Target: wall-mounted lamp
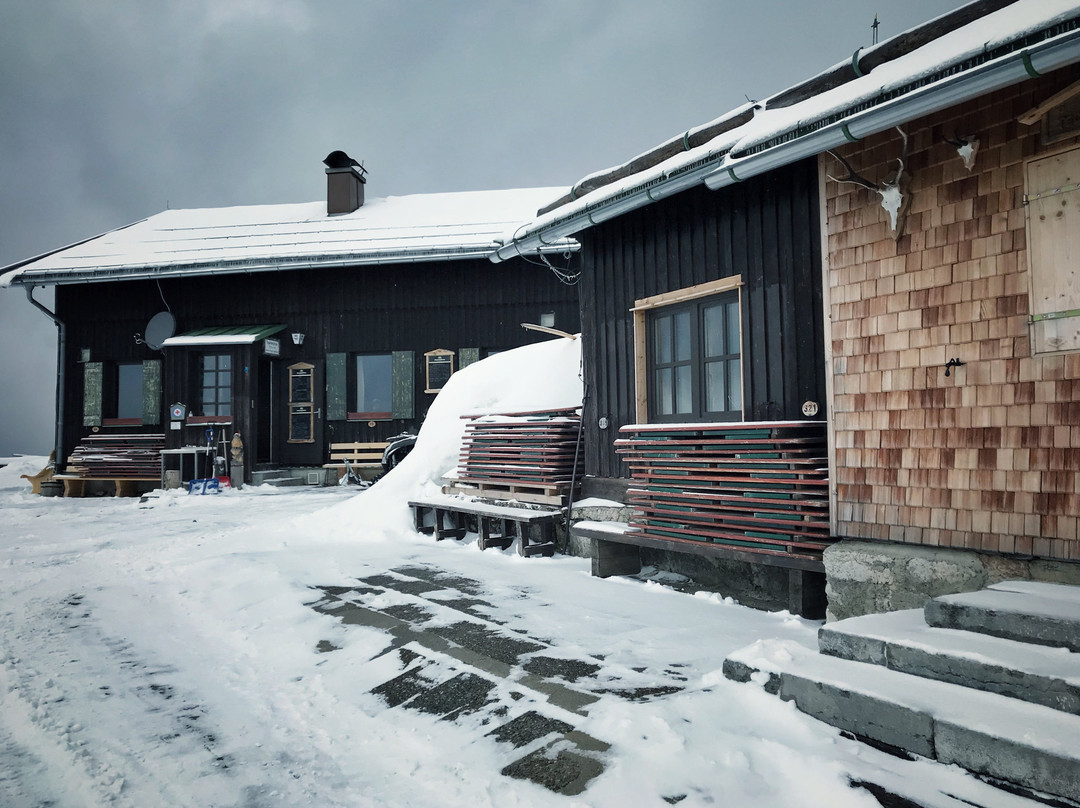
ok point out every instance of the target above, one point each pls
(952, 363)
(297, 338)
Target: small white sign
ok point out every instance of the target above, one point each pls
(272, 347)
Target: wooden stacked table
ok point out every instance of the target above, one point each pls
(524, 456)
(126, 460)
(753, 487)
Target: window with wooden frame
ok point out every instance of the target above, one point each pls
(688, 354)
(438, 368)
(1053, 218)
(301, 403)
(122, 393)
(215, 374)
(374, 392)
(370, 386)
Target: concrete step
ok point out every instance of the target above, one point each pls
(1000, 738)
(903, 641)
(279, 482)
(1027, 611)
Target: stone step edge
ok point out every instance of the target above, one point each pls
(1042, 616)
(985, 733)
(903, 641)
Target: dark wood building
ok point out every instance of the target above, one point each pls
(738, 269)
(296, 326)
(736, 297)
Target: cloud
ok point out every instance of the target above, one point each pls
(110, 112)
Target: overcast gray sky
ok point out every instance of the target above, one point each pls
(113, 110)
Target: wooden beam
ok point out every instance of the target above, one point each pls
(1035, 114)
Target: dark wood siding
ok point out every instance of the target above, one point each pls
(768, 231)
(379, 309)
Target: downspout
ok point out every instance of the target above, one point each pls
(61, 350)
(577, 456)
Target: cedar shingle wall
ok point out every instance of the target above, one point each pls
(987, 458)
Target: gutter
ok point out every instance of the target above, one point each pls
(59, 277)
(950, 91)
(722, 167)
(61, 350)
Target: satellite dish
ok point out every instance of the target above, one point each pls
(161, 326)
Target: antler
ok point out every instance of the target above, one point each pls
(901, 160)
(894, 200)
(853, 177)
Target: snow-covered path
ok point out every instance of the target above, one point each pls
(166, 654)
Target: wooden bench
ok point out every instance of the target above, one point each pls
(497, 525)
(756, 492)
(616, 550)
(346, 456)
(75, 484)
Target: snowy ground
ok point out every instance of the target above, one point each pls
(161, 654)
(256, 648)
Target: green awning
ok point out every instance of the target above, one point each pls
(233, 335)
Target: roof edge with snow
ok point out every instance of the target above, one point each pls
(994, 45)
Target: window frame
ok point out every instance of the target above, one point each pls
(101, 393)
(136, 385)
(695, 296)
(354, 384)
(301, 404)
(201, 371)
(437, 357)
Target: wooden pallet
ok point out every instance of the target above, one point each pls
(511, 489)
(519, 456)
(760, 487)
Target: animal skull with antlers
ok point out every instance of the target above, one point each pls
(967, 147)
(895, 198)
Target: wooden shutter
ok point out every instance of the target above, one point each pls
(151, 391)
(466, 356)
(1053, 196)
(93, 373)
(404, 385)
(337, 392)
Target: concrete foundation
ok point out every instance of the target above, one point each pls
(870, 577)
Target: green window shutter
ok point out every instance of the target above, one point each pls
(466, 356)
(337, 392)
(92, 381)
(151, 391)
(404, 385)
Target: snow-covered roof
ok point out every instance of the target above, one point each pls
(397, 229)
(1024, 39)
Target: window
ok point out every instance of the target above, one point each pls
(369, 386)
(374, 386)
(440, 367)
(688, 354)
(301, 403)
(122, 393)
(695, 368)
(216, 374)
(1054, 238)
(129, 390)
